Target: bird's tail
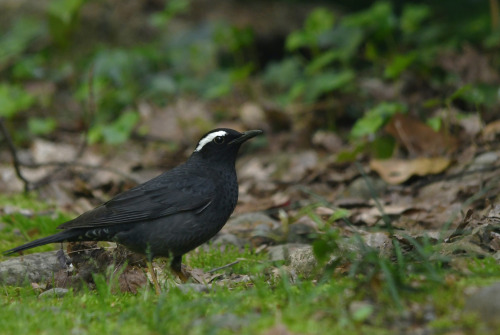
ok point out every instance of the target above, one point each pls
(59, 237)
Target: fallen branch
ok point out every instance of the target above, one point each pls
(223, 267)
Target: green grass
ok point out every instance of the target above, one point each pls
(19, 227)
(307, 306)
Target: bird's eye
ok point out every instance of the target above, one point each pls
(219, 139)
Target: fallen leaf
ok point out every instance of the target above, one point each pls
(300, 165)
(418, 138)
(45, 151)
(471, 124)
(252, 115)
(397, 171)
(328, 140)
(373, 215)
(132, 279)
(491, 130)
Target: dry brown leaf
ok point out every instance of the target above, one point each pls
(45, 151)
(471, 124)
(397, 171)
(252, 115)
(491, 130)
(328, 140)
(469, 65)
(418, 138)
(373, 215)
(132, 279)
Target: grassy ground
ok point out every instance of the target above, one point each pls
(265, 304)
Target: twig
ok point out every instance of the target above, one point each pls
(82, 165)
(461, 227)
(13, 153)
(223, 267)
(375, 197)
(436, 178)
(89, 112)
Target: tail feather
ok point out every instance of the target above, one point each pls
(59, 237)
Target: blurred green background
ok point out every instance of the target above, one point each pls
(340, 66)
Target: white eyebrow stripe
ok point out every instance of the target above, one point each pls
(209, 138)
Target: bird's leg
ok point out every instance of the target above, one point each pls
(176, 266)
(153, 276)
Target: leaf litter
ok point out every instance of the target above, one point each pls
(424, 192)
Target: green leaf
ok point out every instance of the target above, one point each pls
(298, 39)
(434, 123)
(375, 118)
(363, 313)
(371, 52)
(475, 96)
(16, 40)
(325, 83)
(413, 17)
(116, 132)
(64, 10)
(29, 67)
(296, 91)
(339, 213)
(321, 249)
(322, 61)
(318, 22)
(95, 133)
(367, 125)
(350, 155)
(398, 64)
(217, 84)
(172, 8)
(383, 147)
(459, 93)
(39, 126)
(378, 19)
(13, 99)
(284, 74)
(326, 245)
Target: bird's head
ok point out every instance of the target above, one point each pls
(222, 144)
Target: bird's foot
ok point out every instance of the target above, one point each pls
(182, 274)
(153, 278)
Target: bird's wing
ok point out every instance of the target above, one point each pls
(172, 192)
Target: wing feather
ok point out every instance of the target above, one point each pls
(175, 191)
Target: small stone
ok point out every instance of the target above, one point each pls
(486, 159)
(380, 241)
(360, 188)
(282, 252)
(302, 260)
(55, 292)
(328, 140)
(299, 257)
(361, 310)
(301, 233)
(228, 239)
(189, 287)
(32, 268)
(252, 115)
(244, 226)
(486, 303)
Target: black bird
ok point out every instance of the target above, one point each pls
(172, 213)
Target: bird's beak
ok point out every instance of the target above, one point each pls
(246, 136)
